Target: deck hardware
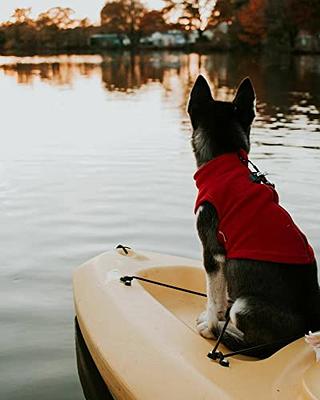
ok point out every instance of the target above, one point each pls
(124, 248)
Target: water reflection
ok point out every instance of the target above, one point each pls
(56, 72)
(287, 89)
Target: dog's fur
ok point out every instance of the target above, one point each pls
(270, 301)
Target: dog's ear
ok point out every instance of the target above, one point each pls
(200, 93)
(245, 101)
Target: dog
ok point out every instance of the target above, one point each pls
(258, 263)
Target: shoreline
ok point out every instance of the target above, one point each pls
(142, 49)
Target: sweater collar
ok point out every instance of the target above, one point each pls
(220, 165)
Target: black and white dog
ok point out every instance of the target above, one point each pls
(256, 259)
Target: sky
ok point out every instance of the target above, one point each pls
(83, 8)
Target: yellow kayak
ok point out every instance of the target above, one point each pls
(144, 342)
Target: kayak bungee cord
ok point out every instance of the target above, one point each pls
(128, 279)
(214, 354)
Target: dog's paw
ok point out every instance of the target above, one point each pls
(205, 326)
(221, 315)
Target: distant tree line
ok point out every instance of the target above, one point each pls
(250, 23)
(52, 30)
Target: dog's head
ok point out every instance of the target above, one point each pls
(220, 127)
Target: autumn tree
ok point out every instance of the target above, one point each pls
(22, 16)
(2, 38)
(60, 17)
(286, 18)
(304, 14)
(52, 30)
(114, 18)
(225, 11)
(153, 21)
(84, 23)
(252, 21)
(123, 16)
(20, 30)
(280, 34)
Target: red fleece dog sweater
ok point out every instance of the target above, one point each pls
(252, 224)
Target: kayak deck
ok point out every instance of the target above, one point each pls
(185, 306)
(144, 341)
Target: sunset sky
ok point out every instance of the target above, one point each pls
(83, 8)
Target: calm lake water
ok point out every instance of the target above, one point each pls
(95, 151)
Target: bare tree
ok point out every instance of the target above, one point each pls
(192, 14)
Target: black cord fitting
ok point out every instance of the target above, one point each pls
(218, 356)
(126, 280)
(224, 363)
(215, 355)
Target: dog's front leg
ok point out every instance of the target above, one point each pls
(213, 260)
(216, 299)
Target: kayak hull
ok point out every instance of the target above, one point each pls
(144, 342)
